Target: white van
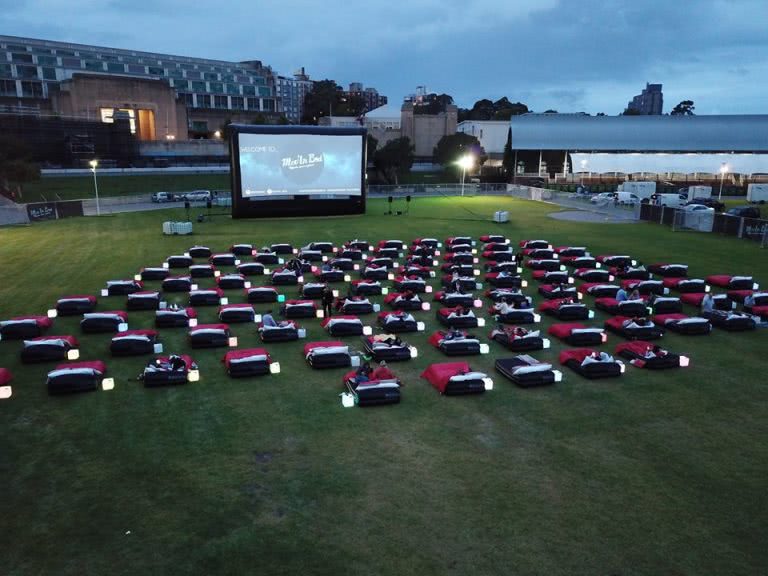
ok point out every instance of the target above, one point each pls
(640, 189)
(757, 193)
(627, 199)
(670, 200)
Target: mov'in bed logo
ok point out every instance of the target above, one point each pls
(303, 168)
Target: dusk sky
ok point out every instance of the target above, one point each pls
(590, 55)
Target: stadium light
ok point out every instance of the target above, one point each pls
(723, 172)
(94, 164)
(466, 162)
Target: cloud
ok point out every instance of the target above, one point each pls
(590, 55)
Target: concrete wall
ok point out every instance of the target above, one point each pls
(171, 149)
(85, 94)
(426, 130)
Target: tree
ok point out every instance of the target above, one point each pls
(326, 98)
(550, 111)
(508, 161)
(685, 108)
(16, 165)
(394, 158)
(432, 104)
(370, 147)
(453, 146)
(484, 109)
(631, 112)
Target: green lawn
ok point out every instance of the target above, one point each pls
(78, 187)
(653, 473)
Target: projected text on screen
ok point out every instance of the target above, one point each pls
(319, 166)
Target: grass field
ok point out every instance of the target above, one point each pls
(79, 187)
(652, 473)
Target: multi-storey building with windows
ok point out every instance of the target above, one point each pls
(96, 82)
(291, 93)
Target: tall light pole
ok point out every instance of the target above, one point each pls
(466, 162)
(723, 171)
(583, 168)
(94, 164)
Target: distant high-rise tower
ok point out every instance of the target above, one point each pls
(649, 102)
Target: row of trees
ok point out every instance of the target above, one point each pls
(16, 166)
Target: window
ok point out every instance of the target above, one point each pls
(237, 102)
(95, 66)
(49, 73)
(71, 62)
(155, 71)
(199, 87)
(175, 73)
(16, 47)
(203, 101)
(227, 78)
(187, 98)
(253, 104)
(22, 58)
(260, 80)
(26, 71)
(194, 74)
(8, 88)
(61, 52)
(5, 70)
(48, 60)
(233, 89)
(269, 104)
(108, 57)
(220, 102)
(265, 91)
(136, 69)
(31, 90)
(211, 76)
(249, 91)
(216, 87)
(200, 126)
(116, 67)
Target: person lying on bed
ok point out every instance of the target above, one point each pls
(597, 357)
(463, 311)
(559, 288)
(173, 363)
(503, 307)
(454, 334)
(504, 273)
(388, 339)
(363, 373)
(408, 295)
(637, 322)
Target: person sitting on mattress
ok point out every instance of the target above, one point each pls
(503, 307)
(463, 311)
(634, 295)
(363, 373)
(597, 357)
(293, 264)
(707, 303)
(519, 332)
(504, 273)
(408, 295)
(268, 320)
(749, 301)
(174, 307)
(621, 295)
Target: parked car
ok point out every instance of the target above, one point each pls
(690, 207)
(744, 211)
(164, 197)
(197, 195)
(711, 202)
(603, 197)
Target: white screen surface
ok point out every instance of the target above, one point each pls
(315, 165)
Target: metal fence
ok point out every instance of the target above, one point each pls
(753, 229)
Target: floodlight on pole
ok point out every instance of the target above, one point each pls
(723, 172)
(95, 164)
(466, 162)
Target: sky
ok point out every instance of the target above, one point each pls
(567, 55)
